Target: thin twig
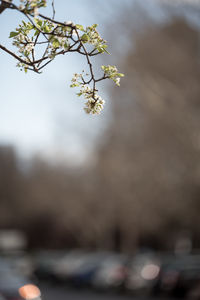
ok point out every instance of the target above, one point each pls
(15, 56)
(53, 8)
(89, 63)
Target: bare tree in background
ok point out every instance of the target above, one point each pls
(151, 162)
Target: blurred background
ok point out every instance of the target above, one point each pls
(107, 205)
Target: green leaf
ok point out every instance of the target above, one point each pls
(30, 26)
(46, 28)
(80, 27)
(74, 85)
(13, 33)
(101, 48)
(120, 74)
(66, 45)
(56, 44)
(26, 53)
(85, 38)
(36, 32)
(107, 52)
(38, 22)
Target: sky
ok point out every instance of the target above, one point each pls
(41, 114)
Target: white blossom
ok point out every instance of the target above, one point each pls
(21, 7)
(94, 106)
(117, 81)
(112, 73)
(36, 12)
(70, 23)
(29, 47)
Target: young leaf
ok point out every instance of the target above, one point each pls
(85, 38)
(13, 33)
(80, 27)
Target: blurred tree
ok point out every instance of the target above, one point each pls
(151, 161)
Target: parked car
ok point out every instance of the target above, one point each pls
(10, 281)
(66, 267)
(45, 263)
(179, 274)
(143, 273)
(83, 275)
(19, 261)
(111, 272)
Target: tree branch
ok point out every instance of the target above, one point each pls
(58, 38)
(5, 4)
(14, 55)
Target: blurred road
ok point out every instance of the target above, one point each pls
(60, 293)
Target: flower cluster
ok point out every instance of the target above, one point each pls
(92, 36)
(26, 36)
(21, 39)
(29, 47)
(23, 66)
(76, 81)
(32, 5)
(56, 43)
(58, 36)
(95, 103)
(112, 73)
